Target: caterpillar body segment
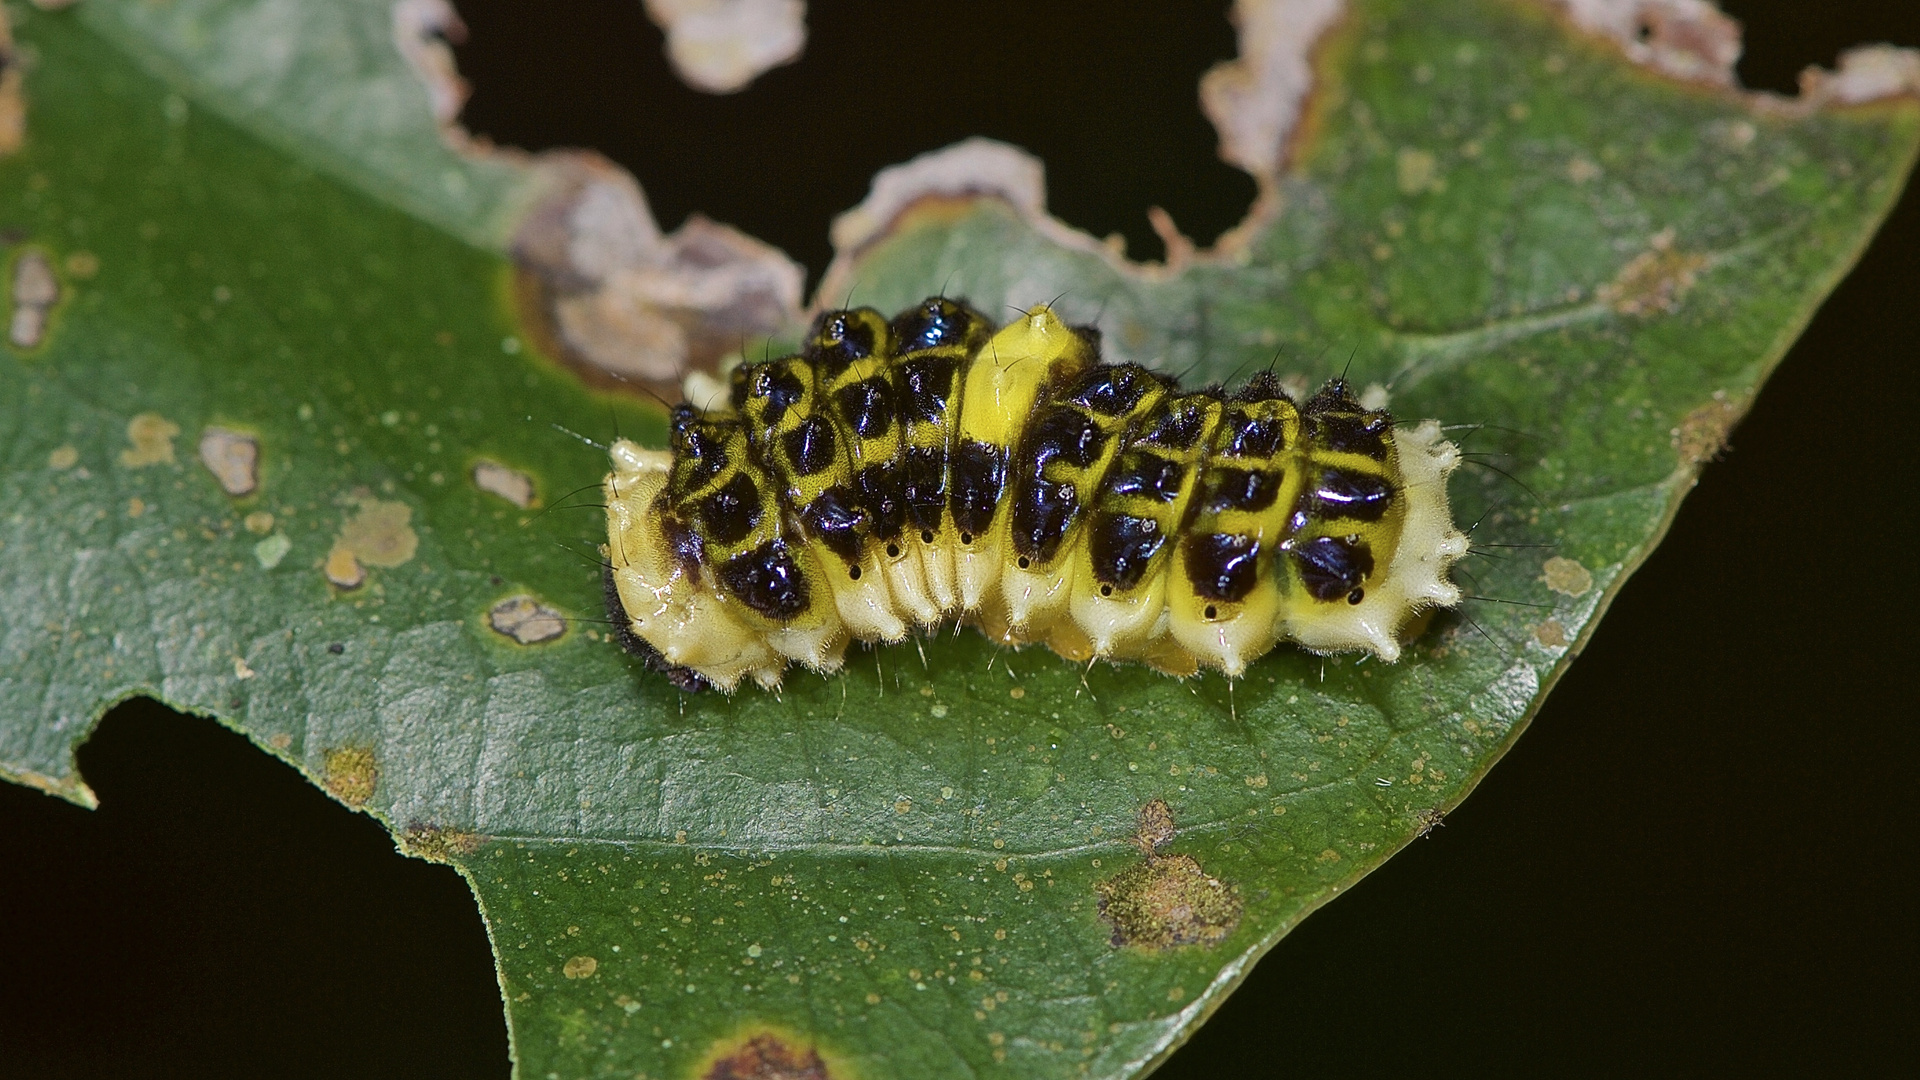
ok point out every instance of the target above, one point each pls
(897, 474)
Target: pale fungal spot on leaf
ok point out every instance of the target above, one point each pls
(63, 458)
(82, 265)
(526, 620)
(1566, 576)
(270, 551)
(1415, 171)
(378, 534)
(721, 46)
(1654, 281)
(241, 670)
(1550, 634)
(151, 437)
(1580, 170)
(233, 458)
(510, 484)
(341, 569)
(259, 523)
(580, 967)
(35, 291)
(352, 773)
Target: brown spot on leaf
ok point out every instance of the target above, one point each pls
(1550, 634)
(352, 773)
(1702, 434)
(151, 436)
(34, 292)
(1155, 827)
(580, 967)
(1654, 281)
(233, 458)
(526, 620)
(1166, 900)
(510, 484)
(63, 457)
(1566, 576)
(766, 1055)
(438, 843)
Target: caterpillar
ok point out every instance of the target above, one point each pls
(898, 474)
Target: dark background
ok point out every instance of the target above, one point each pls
(1698, 862)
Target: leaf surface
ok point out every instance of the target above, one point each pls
(905, 868)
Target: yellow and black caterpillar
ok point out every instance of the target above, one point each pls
(898, 474)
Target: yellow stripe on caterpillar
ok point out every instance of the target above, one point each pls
(900, 474)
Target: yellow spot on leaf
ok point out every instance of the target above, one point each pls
(151, 436)
(352, 773)
(580, 967)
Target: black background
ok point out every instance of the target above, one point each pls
(1697, 862)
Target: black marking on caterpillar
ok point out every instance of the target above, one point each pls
(902, 473)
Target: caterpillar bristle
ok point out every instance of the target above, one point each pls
(896, 474)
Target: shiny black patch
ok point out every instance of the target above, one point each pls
(688, 549)
(810, 447)
(838, 339)
(1253, 436)
(1340, 493)
(1332, 566)
(926, 382)
(1148, 475)
(1223, 566)
(1064, 434)
(775, 384)
(683, 677)
(883, 497)
(1111, 389)
(868, 406)
(1365, 434)
(1177, 428)
(923, 484)
(1043, 511)
(936, 322)
(1251, 490)
(977, 473)
(699, 445)
(767, 580)
(834, 519)
(1122, 546)
(730, 513)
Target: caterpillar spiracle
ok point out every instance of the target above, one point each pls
(901, 474)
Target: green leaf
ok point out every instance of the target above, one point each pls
(905, 867)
